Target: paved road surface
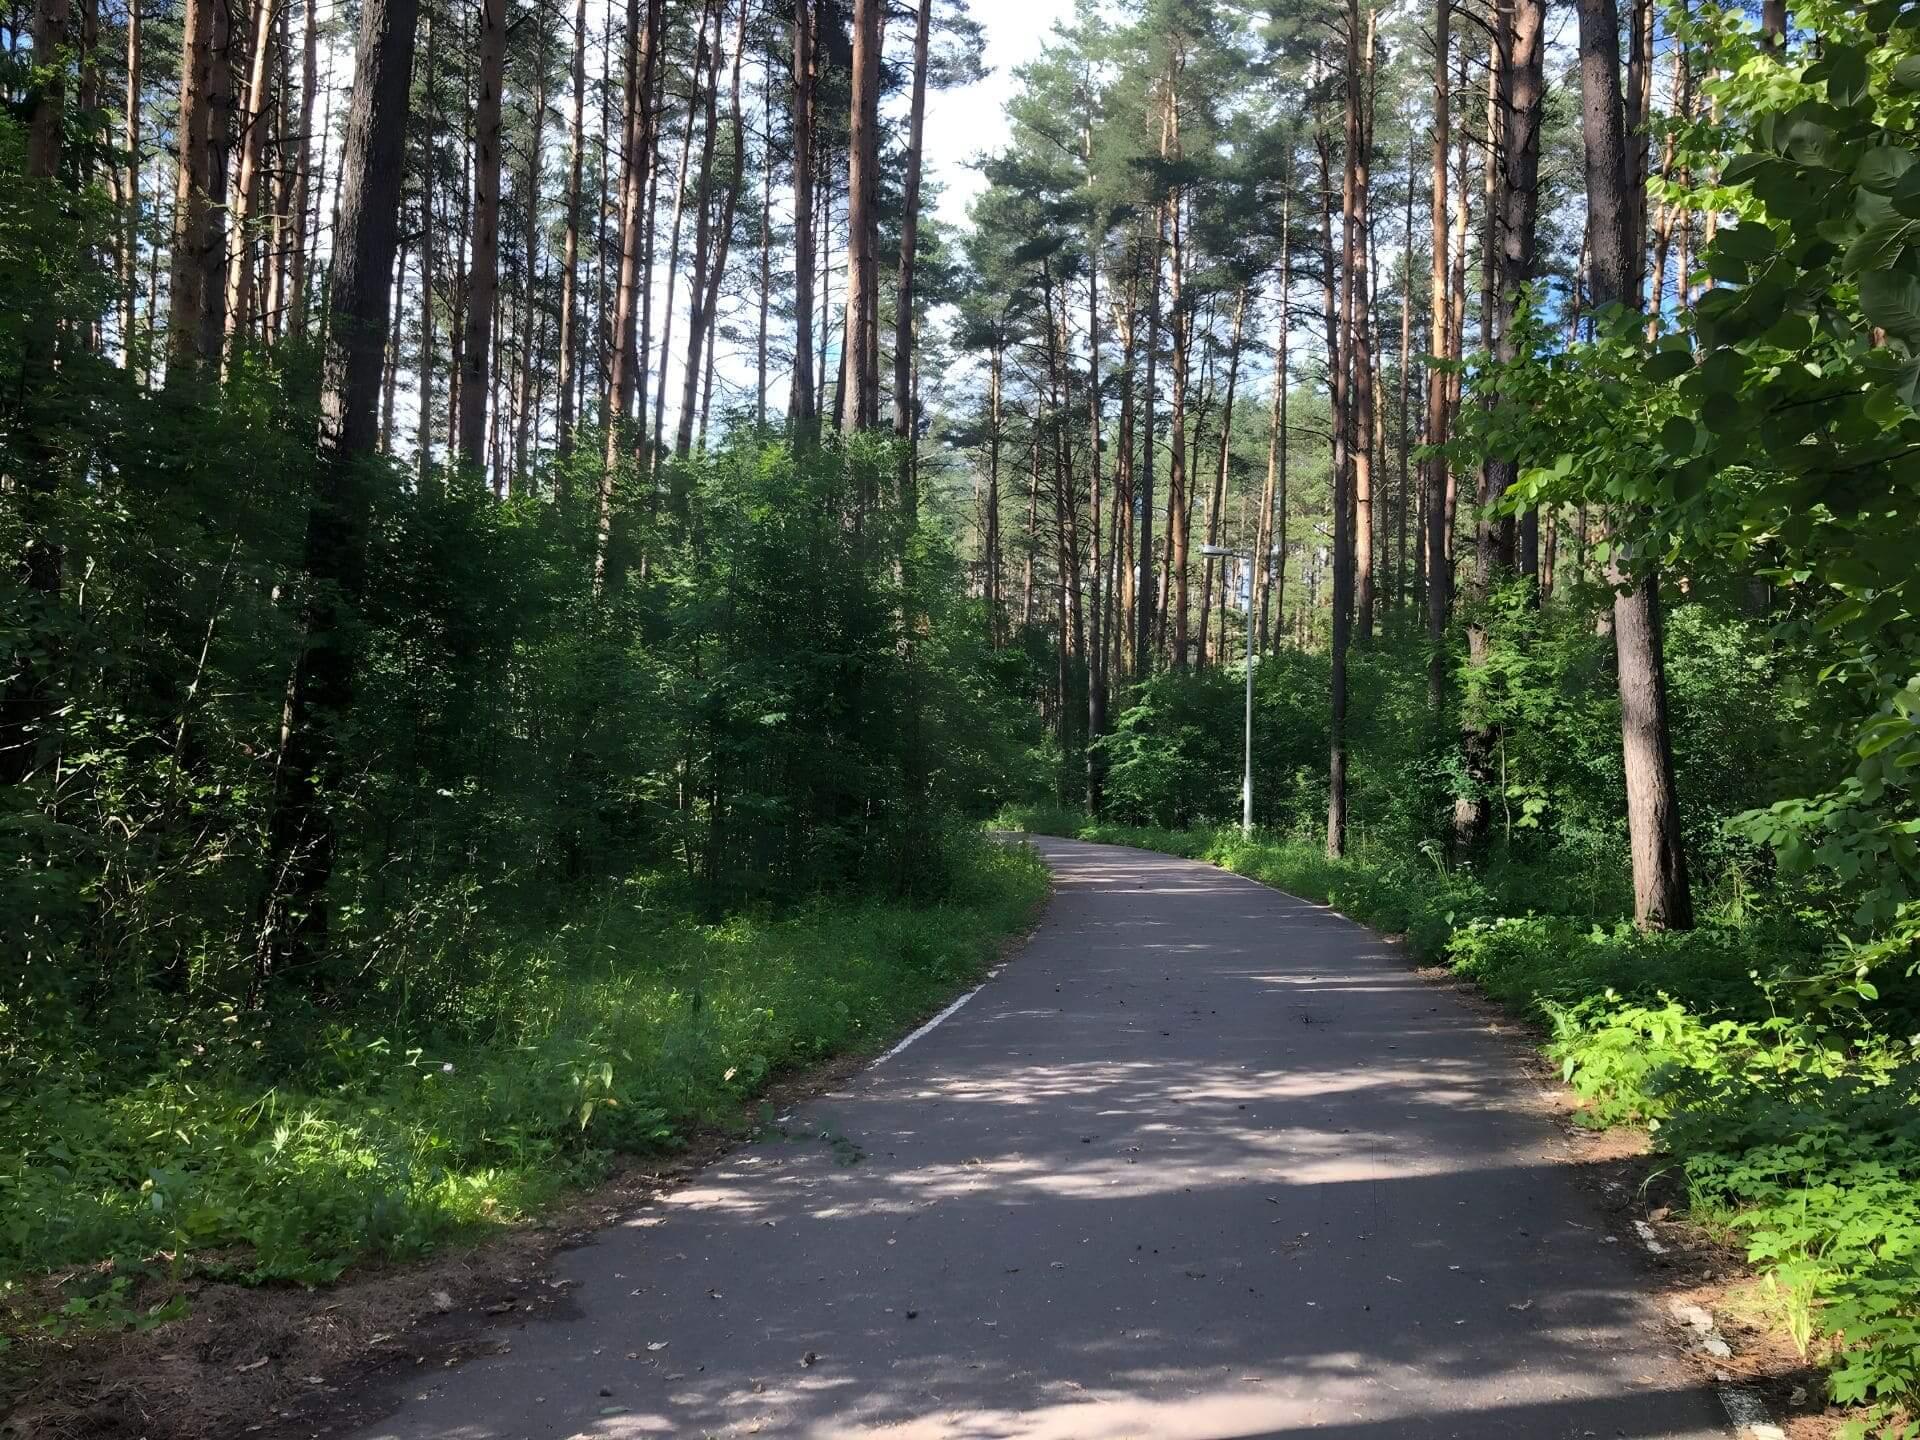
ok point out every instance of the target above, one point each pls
(1203, 1161)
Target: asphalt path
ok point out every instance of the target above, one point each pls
(1203, 1160)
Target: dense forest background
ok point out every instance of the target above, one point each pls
(531, 554)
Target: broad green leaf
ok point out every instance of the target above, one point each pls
(1891, 300)
(1880, 244)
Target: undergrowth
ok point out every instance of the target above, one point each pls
(1793, 1117)
(621, 1032)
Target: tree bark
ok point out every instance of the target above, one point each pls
(1360, 142)
(246, 187)
(800, 403)
(905, 421)
(301, 839)
(483, 270)
(567, 381)
(195, 325)
(524, 432)
(1661, 896)
(625, 364)
(860, 404)
(1216, 504)
(710, 269)
(27, 702)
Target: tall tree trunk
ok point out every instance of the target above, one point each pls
(246, 187)
(1270, 554)
(905, 422)
(1523, 95)
(710, 270)
(990, 544)
(1179, 529)
(625, 362)
(524, 408)
(301, 839)
(765, 238)
(1144, 604)
(700, 63)
(195, 326)
(567, 381)
(423, 433)
(483, 271)
(860, 404)
(130, 198)
(1216, 503)
(1344, 426)
(27, 702)
(1360, 139)
(1406, 504)
(303, 164)
(1661, 897)
(800, 403)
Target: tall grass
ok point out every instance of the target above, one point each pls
(621, 1032)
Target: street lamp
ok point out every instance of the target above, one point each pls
(1226, 552)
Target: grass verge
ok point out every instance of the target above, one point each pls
(1797, 1128)
(621, 1032)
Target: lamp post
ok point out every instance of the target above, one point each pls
(1246, 771)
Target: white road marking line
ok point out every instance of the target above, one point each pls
(934, 1023)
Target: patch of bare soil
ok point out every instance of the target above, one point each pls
(280, 1362)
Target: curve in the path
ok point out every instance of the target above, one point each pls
(1204, 1161)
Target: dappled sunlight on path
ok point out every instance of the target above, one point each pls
(1205, 1161)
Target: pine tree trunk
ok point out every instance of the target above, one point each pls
(301, 839)
(1360, 139)
(1661, 897)
(800, 404)
(483, 271)
(303, 163)
(568, 379)
(130, 198)
(524, 408)
(710, 269)
(1270, 554)
(27, 704)
(247, 183)
(195, 324)
(1216, 503)
(625, 364)
(905, 422)
(700, 45)
(860, 398)
(1144, 602)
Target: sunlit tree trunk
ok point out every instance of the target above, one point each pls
(625, 362)
(247, 183)
(196, 323)
(1216, 503)
(1270, 554)
(1661, 896)
(1359, 170)
(710, 269)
